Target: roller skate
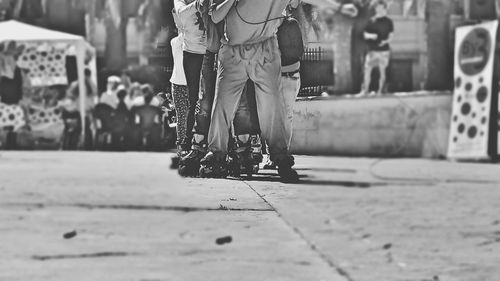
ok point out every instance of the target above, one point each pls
(256, 154)
(271, 165)
(285, 170)
(189, 165)
(182, 150)
(212, 166)
(240, 159)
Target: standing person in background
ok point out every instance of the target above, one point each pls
(134, 91)
(194, 47)
(145, 90)
(109, 97)
(180, 96)
(378, 35)
(91, 86)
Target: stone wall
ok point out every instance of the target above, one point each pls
(405, 125)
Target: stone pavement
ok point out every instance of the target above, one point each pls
(126, 216)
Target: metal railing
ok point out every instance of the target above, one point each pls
(316, 71)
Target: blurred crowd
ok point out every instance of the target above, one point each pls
(126, 116)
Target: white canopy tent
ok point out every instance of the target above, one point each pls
(24, 33)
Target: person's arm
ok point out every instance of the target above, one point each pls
(349, 10)
(368, 32)
(386, 41)
(334, 4)
(180, 7)
(221, 10)
(370, 36)
(345, 9)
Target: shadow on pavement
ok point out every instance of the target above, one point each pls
(329, 170)
(306, 180)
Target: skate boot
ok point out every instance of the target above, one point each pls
(285, 170)
(233, 166)
(189, 165)
(256, 152)
(213, 167)
(240, 158)
(182, 150)
(270, 165)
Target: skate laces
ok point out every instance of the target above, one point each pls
(256, 144)
(241, 146)
(202, 146)
(211, 158)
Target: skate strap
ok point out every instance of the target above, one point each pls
(199, 147)
(241, 149)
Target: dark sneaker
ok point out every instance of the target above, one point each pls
(286, 172)
(189, 165)
(213, 167)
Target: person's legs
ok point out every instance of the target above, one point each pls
(383, 62)
(192, 69)
(265, 71)
(231, 80)
(180, 97)
(290, 87)
(248, 148)
(367, 73)
(204, 106)
(190, 164)
(246, 120)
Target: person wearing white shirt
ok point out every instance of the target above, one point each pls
(194, 45)
(180, 95)
(109, 97)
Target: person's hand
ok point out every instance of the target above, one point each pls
(349, 10)
(203, 6)
(214, 4)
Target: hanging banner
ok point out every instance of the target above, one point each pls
(470, 134)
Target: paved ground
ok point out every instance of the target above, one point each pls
(126, 216)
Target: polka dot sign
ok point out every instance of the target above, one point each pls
(44, 116)
(45, 64)
(11, 116)
(474, 60)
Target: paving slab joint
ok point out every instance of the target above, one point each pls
(339, 269)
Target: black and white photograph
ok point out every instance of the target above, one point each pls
(249, 140)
